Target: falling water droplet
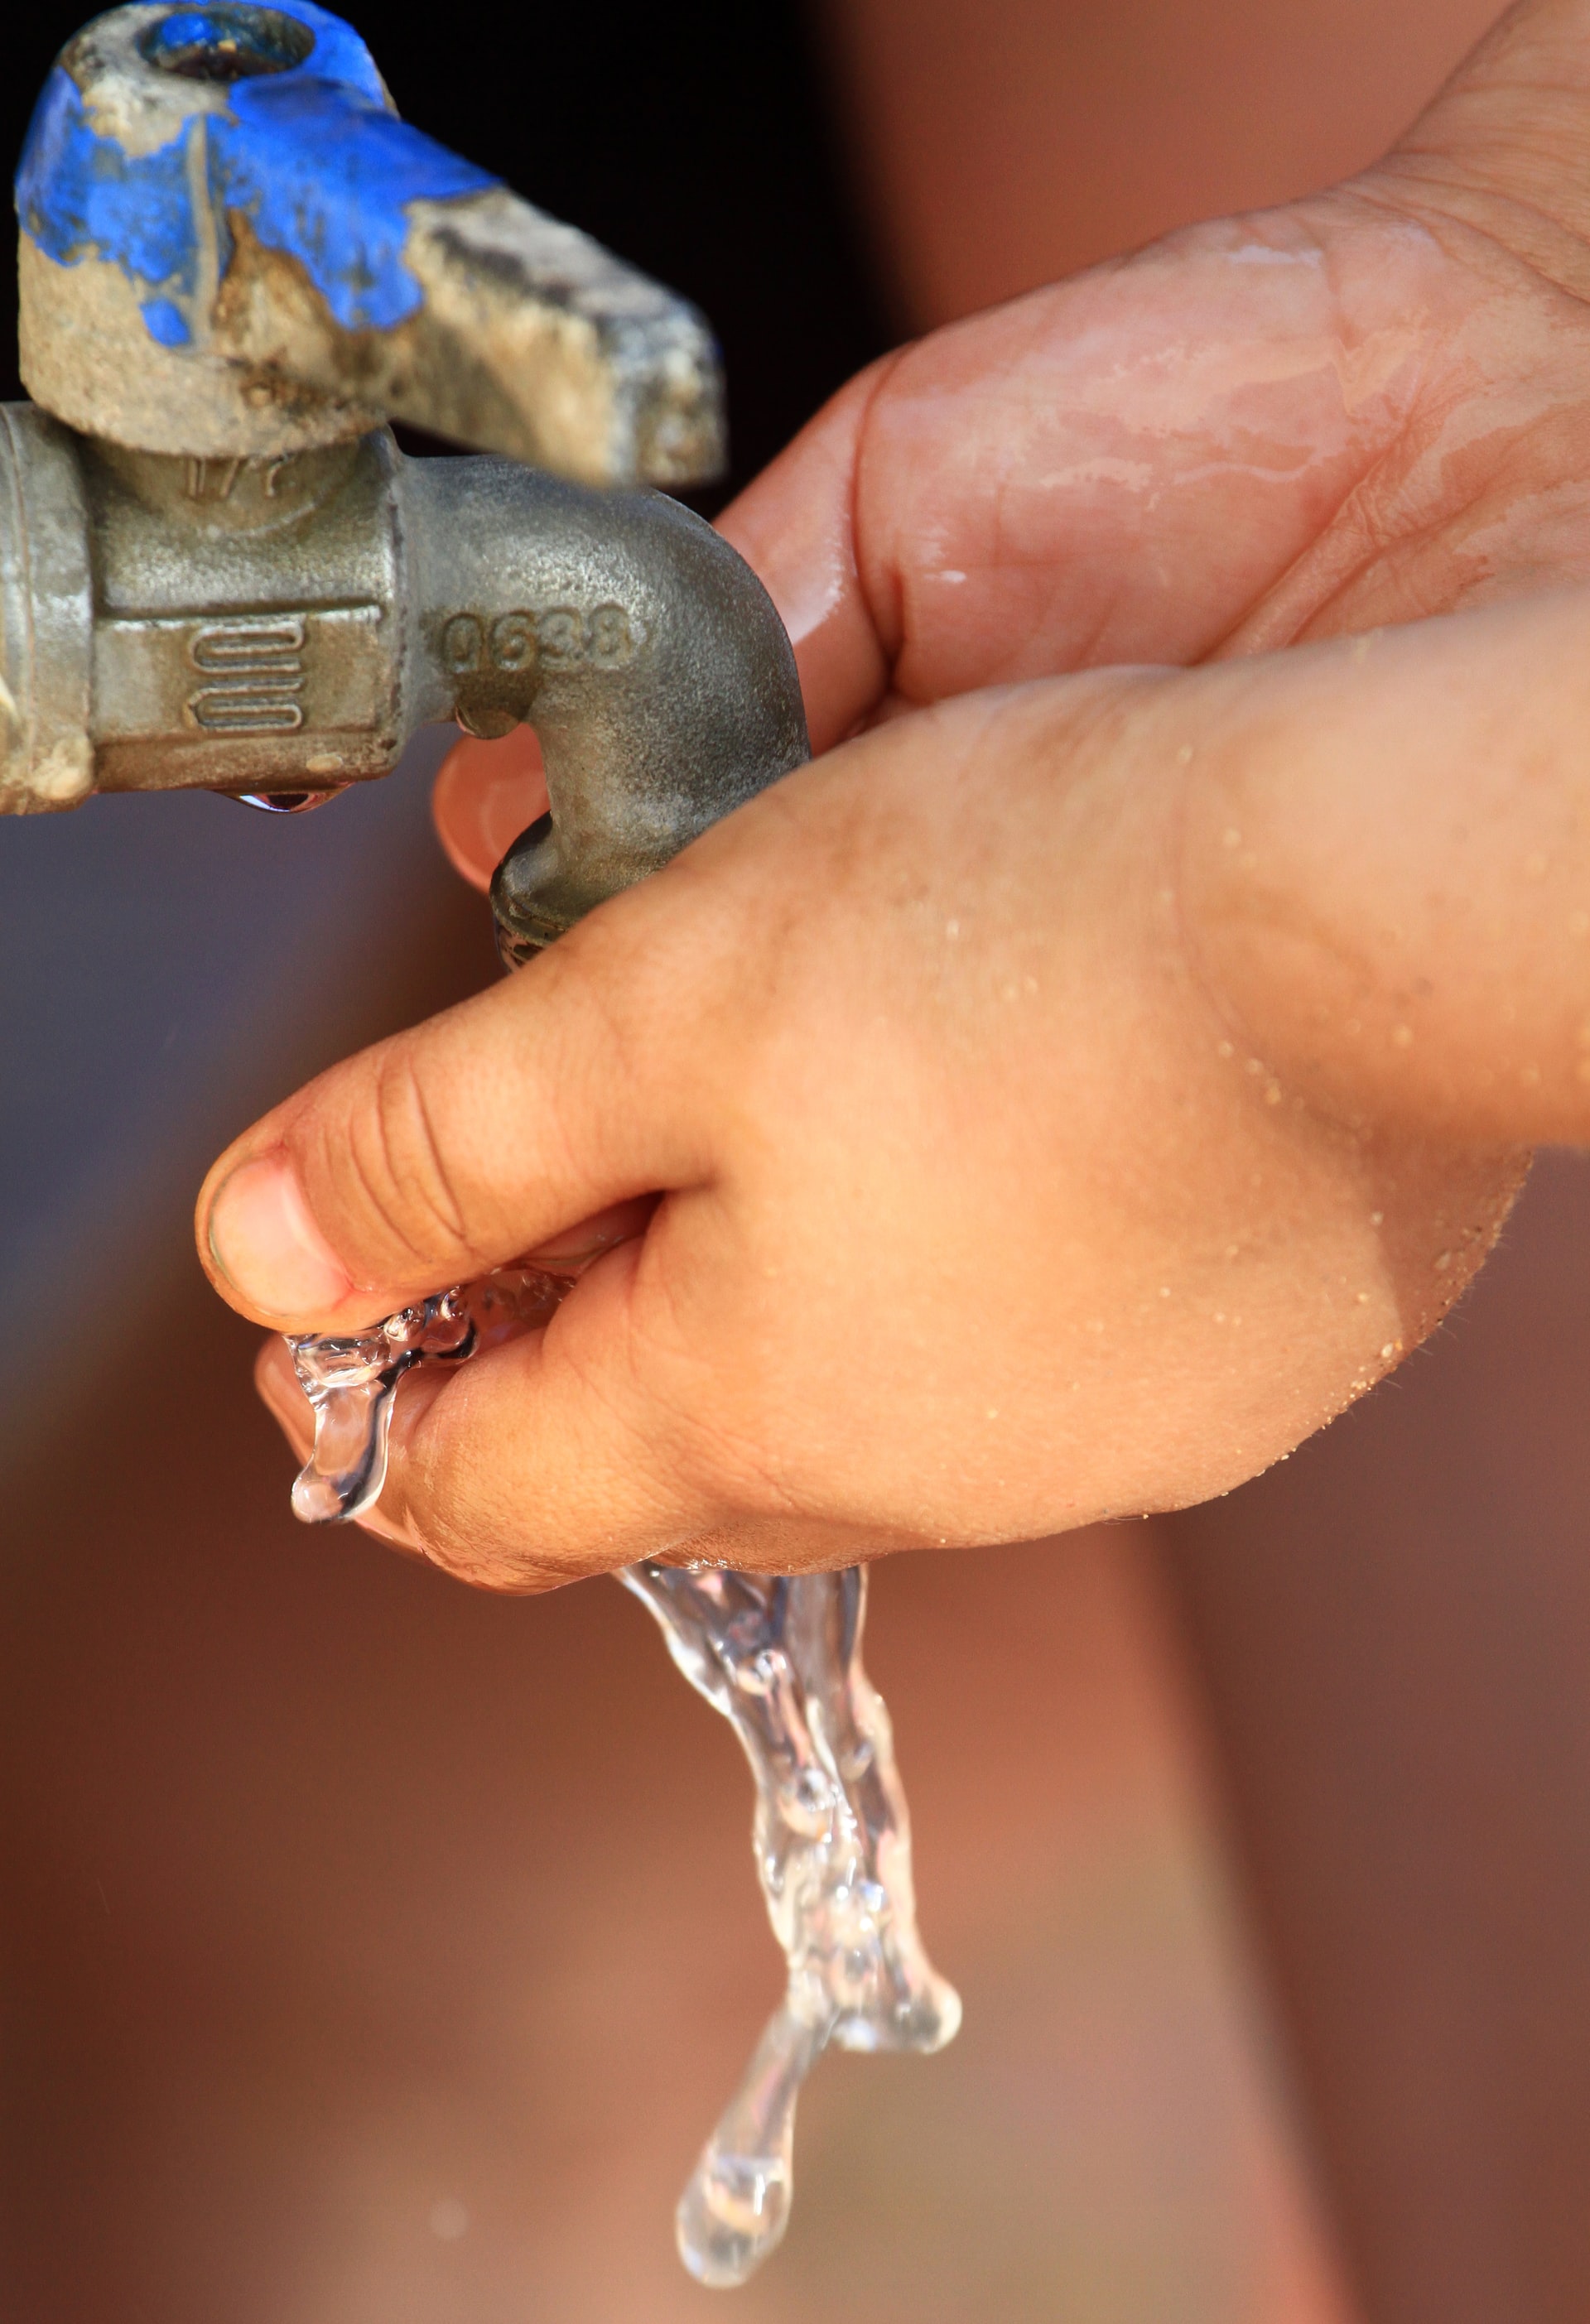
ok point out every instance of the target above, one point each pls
(779, 1656)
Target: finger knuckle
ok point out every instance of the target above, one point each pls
(398, 1169)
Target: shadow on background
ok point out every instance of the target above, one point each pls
(1394, 1633)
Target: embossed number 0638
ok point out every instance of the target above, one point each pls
(562, 636)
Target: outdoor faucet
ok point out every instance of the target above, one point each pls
(217, 569)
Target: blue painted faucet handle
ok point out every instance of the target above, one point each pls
(231, 245)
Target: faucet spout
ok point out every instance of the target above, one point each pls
(642, 649)
(248, 628)
(216, 569)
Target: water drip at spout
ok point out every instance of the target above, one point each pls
(286, 802)
(778, 1656)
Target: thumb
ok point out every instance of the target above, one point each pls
(468, 1141)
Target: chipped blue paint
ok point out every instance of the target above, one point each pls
(330, 180)
(167, 322)
(252, 34)
(313, 156)
(185, 28)
(79, 194)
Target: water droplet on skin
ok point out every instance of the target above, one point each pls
(1401, 1036)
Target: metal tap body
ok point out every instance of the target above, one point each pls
(217, 570)
(284, 626)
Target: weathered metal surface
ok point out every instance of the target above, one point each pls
(248, 629)
(231, 246)
(216, 567)
(281, 626)
(46, 617)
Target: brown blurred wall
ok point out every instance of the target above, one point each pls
(996, 144)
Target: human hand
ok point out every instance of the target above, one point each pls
(1060, 1102)
(1363, 407)
(1349, 411)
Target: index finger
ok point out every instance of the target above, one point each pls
(795, 526)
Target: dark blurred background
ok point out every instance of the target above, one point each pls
(358, 1969)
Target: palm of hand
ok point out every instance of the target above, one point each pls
(1362, 409)
(1359, 411)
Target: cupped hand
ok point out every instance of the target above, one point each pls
(1061, 1101)
(1360, 409)
(1002, 1185)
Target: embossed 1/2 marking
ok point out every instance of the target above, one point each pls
(212, 480)
(561, 637)
(255, 672)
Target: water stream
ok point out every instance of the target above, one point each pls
(779, 1656)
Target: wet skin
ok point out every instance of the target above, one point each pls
(1029, 1146)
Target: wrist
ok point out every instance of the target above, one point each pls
(1385, 884)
